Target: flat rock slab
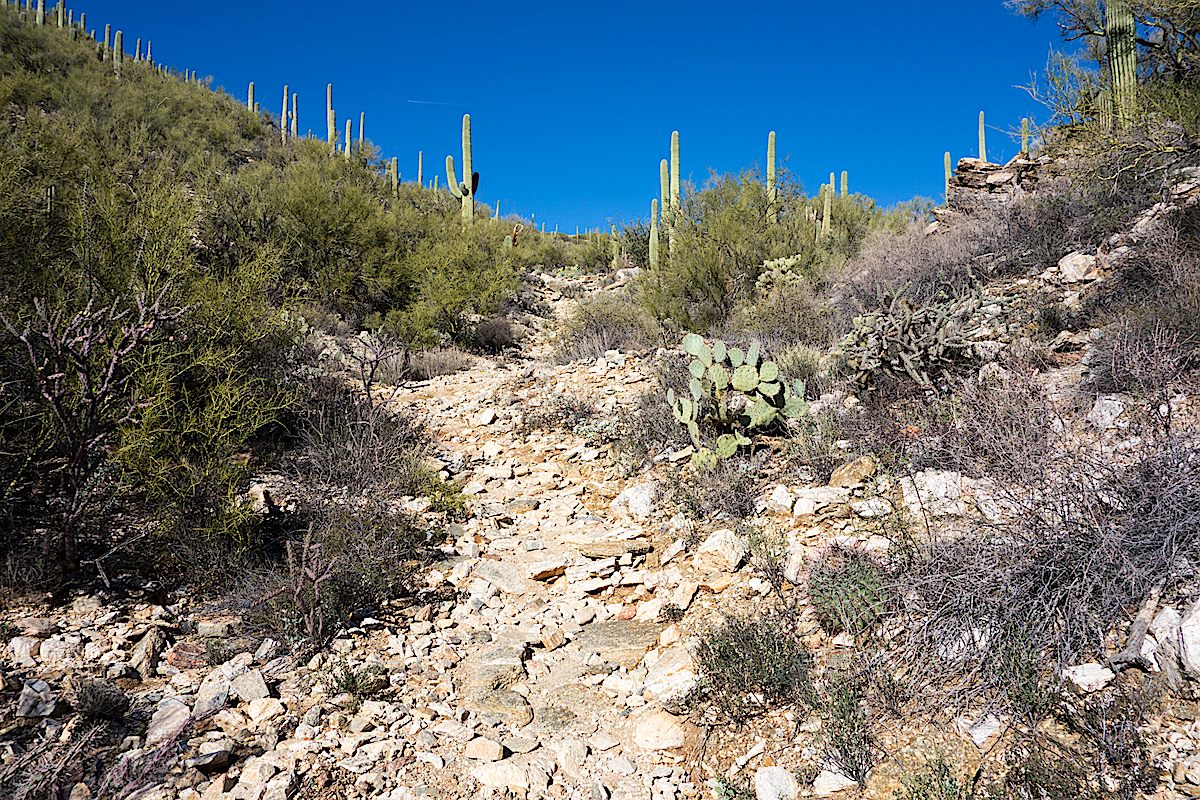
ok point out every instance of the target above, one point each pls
(614, 548)
(496, 667)
(620, 642)
(503, 705)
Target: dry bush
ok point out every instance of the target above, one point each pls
(560, 413)
(1085, 541)
(426, 364)
(607, 321)
(791, 314)
(99, 701)
(495, 335)
(750, 666)
(1141, 355)
(727, 491)
(846, 730)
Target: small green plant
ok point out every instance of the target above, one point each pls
(846, 735)
(848, 591)
(361, 683)
(732, 392)
(749, 666)
(937, 781)
(446, 497)
(1030, 691)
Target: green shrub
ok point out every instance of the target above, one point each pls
(846, 730)
(848, 591)
(937, 780)
(750, 666)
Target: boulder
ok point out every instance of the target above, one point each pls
(775, 783)
(636, 502)
(854, 473)
(723, 551)
(659, 730)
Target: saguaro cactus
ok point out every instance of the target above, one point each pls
(1120, 37)
(1025, 135)
(845, 183)
(420, 168)
(772, 185)
(674, 172)
(465, 190)
(118, 53)
(295, 116)
(41, 13)
(107, 37)
(137, 50)
(149, 57)
(330, 117)
(664, 188)
(949, 175)
(827, 217)
(250, 96)
(982, 139)
(283, 117)
(394, 175)
(349, 131)
(653, 234)
(362, 130)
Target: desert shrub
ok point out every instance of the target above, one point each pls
(591, 252)
(937, 780)
(787, 316)
(1141, 355)
(362, 682)
(848, 591)
(724, 490)
(425, 364)
(724, 239)
(559, 413)
(1080, 542)
(750, 666)
(646, 430)
(494, 335)
(1038, 771)
(846, 729)
(608, 321)
(1110, 725)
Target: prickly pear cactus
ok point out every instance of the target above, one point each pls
(735, 392)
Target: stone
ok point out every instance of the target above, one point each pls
(547, 569)
(214, 628)
(503, 705)
(505, 576)
(147, 653)
(168, 721)
(780, 501)
(854, 473)
(614, 548)
(37, 699)
(486, 417)
(775, 783)
(571, 754)
(828, 782)
(660, 730)
(636, 502)
(811, 501)
(249, 685)
(60, 649)
(38, 627)
(25, 650)
(1089, 677)
(936, 493)
(1189, 641)
(503, 775)
(481, 749)
(212, 694)
(619, 642)
(672, 676)
(1107, 412)
(264, 709)
(1076, 267)
(723, 551)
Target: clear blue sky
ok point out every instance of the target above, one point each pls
(573, 103)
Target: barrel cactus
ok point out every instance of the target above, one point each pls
(848, 591)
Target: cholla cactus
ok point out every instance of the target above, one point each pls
(735, 391)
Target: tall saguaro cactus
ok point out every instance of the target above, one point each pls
(982, 139)
(283, 116)
(250, 96)
(1024, 135)
(420, 168)
(349, 132)
(845, 183)
(295, 116)
(674, 173)
(772, 181)
(118, 53)
(362, 130)
(330, 117)
(41, 13)
(664, 189)
(949, 174)
(653, 234)
(1120, 38)
(465, 190)
(827, 216)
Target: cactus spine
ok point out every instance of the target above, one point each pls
(772, 178)
(845, 183)
(653, 234)
(118, 53)
(982, 139)
(466, 190)
(1120, 32)
(420, 168)
(250, 96)
(330, 117)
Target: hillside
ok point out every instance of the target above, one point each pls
(318, 484)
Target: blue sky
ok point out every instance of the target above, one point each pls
(573, 104)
